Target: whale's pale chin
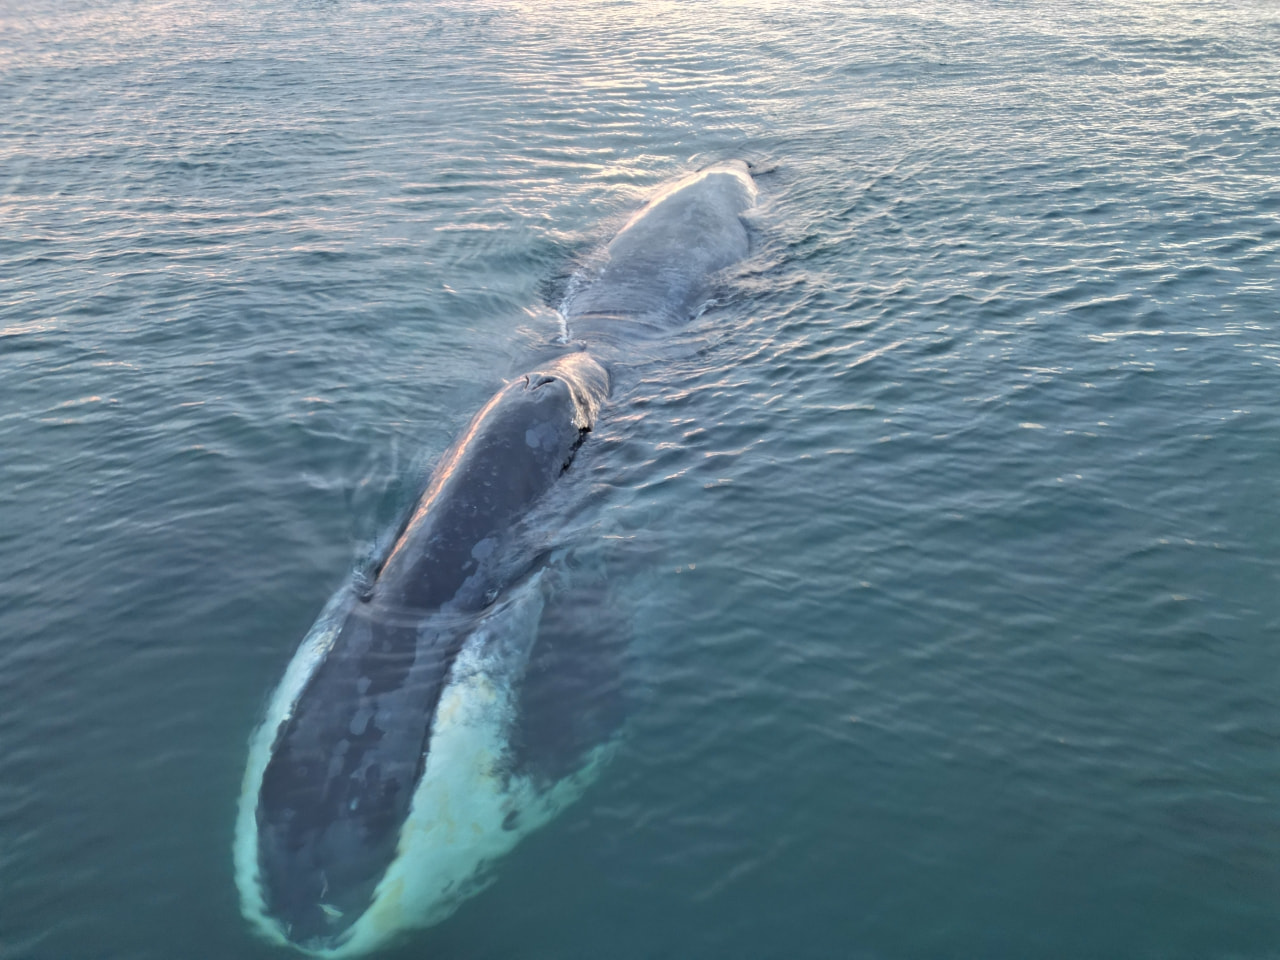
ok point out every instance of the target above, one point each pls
(468, 809)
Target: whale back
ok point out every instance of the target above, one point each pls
(660, 267)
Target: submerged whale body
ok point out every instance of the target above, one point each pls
(659, 267)
(380, 783)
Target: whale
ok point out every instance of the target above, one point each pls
(659, 269)
(382, 783)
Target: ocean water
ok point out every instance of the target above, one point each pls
(947, 538)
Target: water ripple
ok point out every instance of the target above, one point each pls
(947, 535)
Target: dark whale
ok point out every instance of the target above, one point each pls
(343, 768)
(392, 721)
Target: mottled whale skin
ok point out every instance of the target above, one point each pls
(375, 791)
(659, 268)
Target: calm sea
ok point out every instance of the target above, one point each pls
(947, 538)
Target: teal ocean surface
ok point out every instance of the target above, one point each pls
(945, 541)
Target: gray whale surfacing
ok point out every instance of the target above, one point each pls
(375, 791)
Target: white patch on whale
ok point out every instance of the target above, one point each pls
(468, 809)
(314, 648)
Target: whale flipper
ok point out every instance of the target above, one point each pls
(573, 697)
